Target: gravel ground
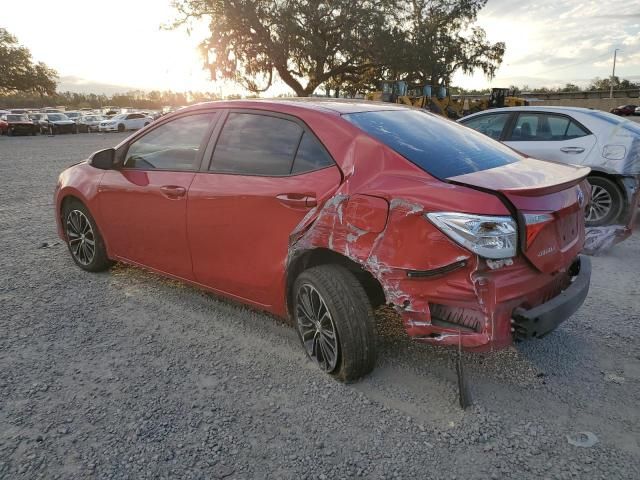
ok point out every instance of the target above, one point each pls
(124, 374)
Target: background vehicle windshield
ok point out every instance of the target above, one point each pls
(119, 117)
(18, 118)
(439, 146)
(56, 117)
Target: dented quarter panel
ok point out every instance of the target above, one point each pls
(350, 224)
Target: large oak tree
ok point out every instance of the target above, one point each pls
(305, 42)
(18, 72)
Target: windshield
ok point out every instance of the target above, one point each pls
(439, 146)
(18, 118)
(56, 117)
(92, 118)
(72, 114)
(119, 117)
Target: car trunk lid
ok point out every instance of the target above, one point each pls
(549, 201)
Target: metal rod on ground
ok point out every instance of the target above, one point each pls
(464, 396)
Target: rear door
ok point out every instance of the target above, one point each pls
(550, 136)
(144, 203)
(267, 172)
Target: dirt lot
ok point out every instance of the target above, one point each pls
(127, 375)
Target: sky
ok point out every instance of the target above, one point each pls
(118, 45)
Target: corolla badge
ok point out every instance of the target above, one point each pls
(580, 197)
(546, 251)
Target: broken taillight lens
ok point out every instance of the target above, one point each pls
(488, 236)
(535, 223)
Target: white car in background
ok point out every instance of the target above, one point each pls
(608, 144)
(125, 121)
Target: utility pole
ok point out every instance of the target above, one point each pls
(613, 73)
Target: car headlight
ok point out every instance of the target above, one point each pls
(614, 152)
(488, 236)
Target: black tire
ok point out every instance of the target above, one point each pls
(146, 124)
(606, 203)
(350, 313)
(99, 261)
(34, 132)
(74, 130)
(9, 132)
(120, 127)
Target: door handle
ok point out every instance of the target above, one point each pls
(572, 149)
(173, 191)
(297, 200)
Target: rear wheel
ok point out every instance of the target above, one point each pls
(335, 321)
(83, 238)
(606, 202)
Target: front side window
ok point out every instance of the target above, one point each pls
(491, 125)
(172, 146)
(253, 144)
(437, 145)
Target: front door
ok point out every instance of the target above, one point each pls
(144, 203)
(267, 173)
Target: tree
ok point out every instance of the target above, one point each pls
(305, 42)
(441, 39)
(18, 73)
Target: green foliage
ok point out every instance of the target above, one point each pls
(18, 73)
(344, 45)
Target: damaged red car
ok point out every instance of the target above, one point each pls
(321, 211)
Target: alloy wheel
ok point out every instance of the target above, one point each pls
(317, 328)
(601, 203)
(82, 240)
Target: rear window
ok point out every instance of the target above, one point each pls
(439, 146)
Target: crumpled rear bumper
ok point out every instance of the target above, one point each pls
(510, 304)
(539, 321)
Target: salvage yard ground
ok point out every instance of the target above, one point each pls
(127, 375)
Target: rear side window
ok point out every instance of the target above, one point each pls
(491, 125)
(533, 127)
(311, 155)
(437, 145)
(255, 144)
(172, 146)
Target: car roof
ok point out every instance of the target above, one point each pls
(335, 106)
(542, 108)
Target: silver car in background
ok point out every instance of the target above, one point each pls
(608, 144)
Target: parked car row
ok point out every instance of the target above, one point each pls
(54, 123)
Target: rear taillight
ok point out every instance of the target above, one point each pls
(492, 237)
(535, 223)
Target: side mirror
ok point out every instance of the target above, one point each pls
(103, 159)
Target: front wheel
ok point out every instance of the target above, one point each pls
(83, 238)
(121, 127)
(606, 202)
(335, 321)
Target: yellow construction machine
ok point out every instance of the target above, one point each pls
(422, 96)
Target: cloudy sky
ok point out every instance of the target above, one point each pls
(107, 45)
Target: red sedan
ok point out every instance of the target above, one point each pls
(321, 211)
(624, 110)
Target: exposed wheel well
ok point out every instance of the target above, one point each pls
(323, 256)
